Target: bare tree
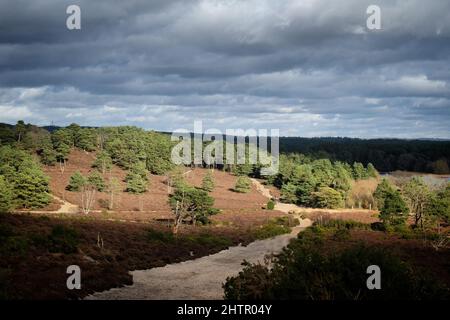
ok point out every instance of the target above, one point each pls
(62, 165)
(113, 188)
(180, 213)
(87, 197)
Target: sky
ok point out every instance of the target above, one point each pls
(308, 68)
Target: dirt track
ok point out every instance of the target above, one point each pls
(196, 279)
(200, 278)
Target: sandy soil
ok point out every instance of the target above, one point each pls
(197, 279)
(236, 208)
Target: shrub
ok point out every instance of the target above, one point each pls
(160, 236)
(342, 234)
(286, 221)
(275, 227)
(253, 282)
(210, 240)
(243, 185)
(378, 226)
(304, 272)
(331, 223)
(270, 205)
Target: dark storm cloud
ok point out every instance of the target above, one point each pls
(307, 67)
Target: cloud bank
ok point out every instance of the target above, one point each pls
(309, 68)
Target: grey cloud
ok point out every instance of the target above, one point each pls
(307, 67)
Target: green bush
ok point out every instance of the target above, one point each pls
(275, 227)
(330, 223)
(210, 240)
(160, 236)
(253, 283)
(378, 226)
(270, 205)
(286, 221)
(342, 234)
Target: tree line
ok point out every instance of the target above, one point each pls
(432, 156)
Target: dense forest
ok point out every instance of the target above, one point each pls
(385, 154)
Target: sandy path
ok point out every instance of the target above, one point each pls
(196, 279)
(200, 278)
(298, 211)
(283, 207)
(66, 207)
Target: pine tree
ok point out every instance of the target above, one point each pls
(289, 193)
(136, 184)
(359, 172)
(394, 210)
(138, 168)
(383, 189)
(193, 203)
(31, 188)
(20, 130)
(371, 171)
(327, 197)
(96, 179)
(6, 195)
(243, 185)
(208, 182)
(103, 162)
(48, 156)
(418, 196)
(86, 139)
(76, 182)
